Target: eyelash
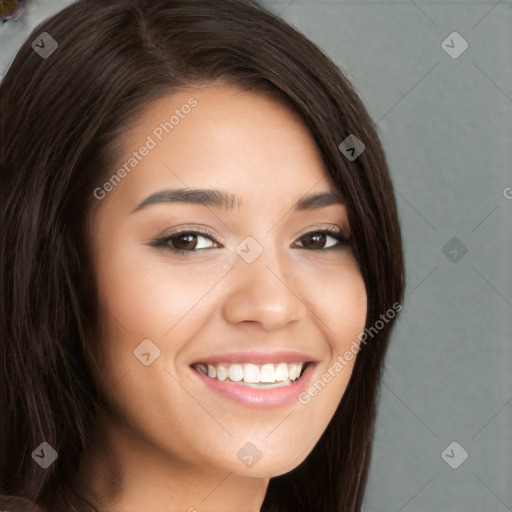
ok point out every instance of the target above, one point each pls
(163, 242)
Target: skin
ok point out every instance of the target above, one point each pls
(168, 439)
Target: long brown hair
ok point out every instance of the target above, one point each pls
(62, 117)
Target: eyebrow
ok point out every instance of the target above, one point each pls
(223, 199)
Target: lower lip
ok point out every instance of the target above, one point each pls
(260, 398)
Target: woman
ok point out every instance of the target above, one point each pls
(201, 264)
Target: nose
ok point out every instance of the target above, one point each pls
(262, 293)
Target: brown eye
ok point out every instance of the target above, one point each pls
(315, 240)
(184, 242)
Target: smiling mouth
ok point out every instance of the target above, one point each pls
(265, 376)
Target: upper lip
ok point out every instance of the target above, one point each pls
(257, 357)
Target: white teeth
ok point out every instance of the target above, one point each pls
(281, 372)
(293, 371)
(251, 373)
(267, 386)
(265, 376)
(212, 372)
(222, 372)
(267, 373)
(235, 372)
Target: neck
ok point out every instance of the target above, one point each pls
(122, 473)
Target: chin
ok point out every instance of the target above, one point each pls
(258, 461)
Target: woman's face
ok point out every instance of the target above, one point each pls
(257, 293)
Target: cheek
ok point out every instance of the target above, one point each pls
(350, 316)
(145, 295)
(348, 320)
(342, 307)
(339, 299)
(147, 292)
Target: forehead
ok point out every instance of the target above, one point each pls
(221, 137)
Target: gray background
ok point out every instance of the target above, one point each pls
(446, 126)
